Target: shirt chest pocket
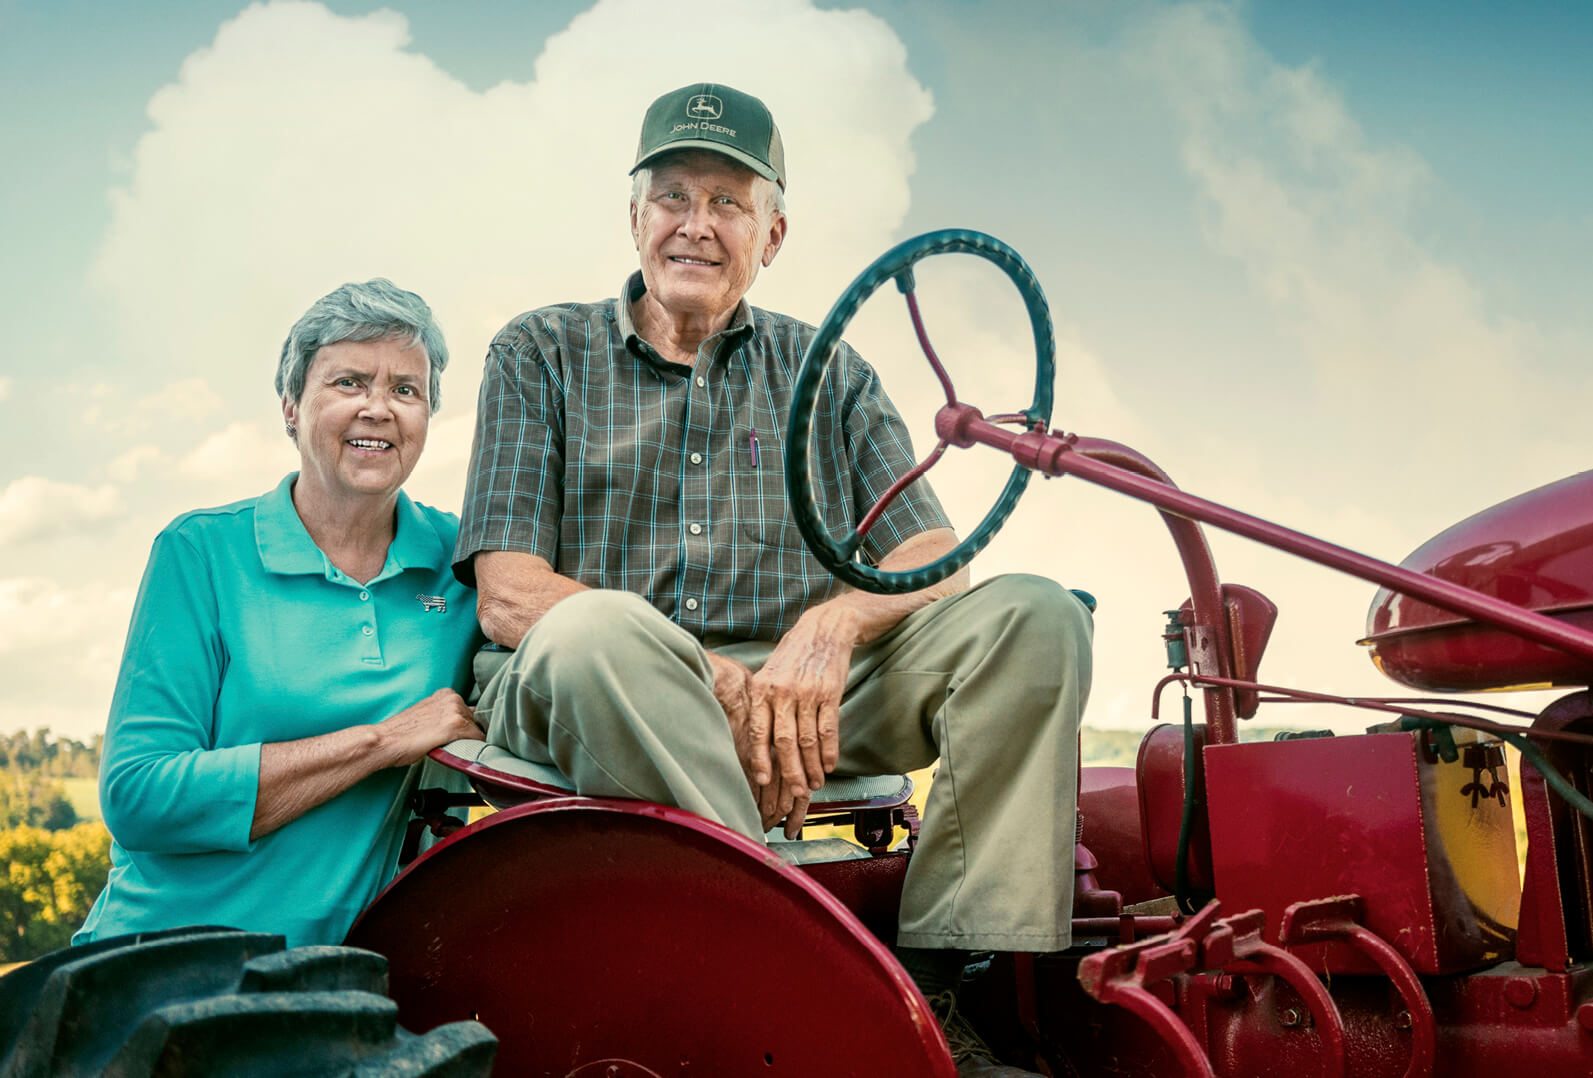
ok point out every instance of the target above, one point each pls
(763, 511)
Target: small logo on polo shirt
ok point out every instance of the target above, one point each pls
(433, 604)
(705, 107)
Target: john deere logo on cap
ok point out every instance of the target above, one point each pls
(705, 107)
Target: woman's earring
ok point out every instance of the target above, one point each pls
(293, 432)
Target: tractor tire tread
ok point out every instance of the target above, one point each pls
(223, 1002)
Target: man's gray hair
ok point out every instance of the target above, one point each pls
(770, 198)
(376, 310)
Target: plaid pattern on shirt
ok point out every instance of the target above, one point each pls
(627, 471)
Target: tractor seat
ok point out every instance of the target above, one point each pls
(504, 779)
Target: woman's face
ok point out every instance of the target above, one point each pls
(362, 418)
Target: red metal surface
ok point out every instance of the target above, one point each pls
(1123, 977)
(1109, 807)
(1211, 649)
(585, 931)
(1160, 769)
(870, 888)
(1557, 893)
(1339, 918)
(1054, 454)
(1234, 944)
(1211, 646)
(1509, 1020)
(1533, 551)
(1367, 815)
(1251, 617)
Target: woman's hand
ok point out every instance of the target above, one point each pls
(413, 732)
(295, 776)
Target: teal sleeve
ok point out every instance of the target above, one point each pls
(165, 785)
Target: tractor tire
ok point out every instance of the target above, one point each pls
(214, 1001)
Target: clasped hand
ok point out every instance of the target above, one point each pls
(786, 718)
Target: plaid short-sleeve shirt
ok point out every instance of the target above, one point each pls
(627, 471)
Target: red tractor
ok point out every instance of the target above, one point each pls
(1314, 905)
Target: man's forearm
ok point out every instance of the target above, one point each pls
(874, 615)
(514, 590)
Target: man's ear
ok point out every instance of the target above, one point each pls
(776, 237)
(636, 235)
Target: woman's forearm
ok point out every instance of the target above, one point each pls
(296, 776)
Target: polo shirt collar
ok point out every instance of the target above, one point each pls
(286, 547)
(635, 288)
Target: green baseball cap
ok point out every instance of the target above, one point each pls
(721, 119)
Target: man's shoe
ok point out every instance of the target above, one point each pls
(972, 1055)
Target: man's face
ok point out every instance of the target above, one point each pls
(702, 234)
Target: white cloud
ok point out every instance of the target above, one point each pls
(302, 149)
(34, 508)
(183, 401)
(253, 194)
(125, 467)
(36, 613)
(1401, 343)
(244, 456)
(59, 650)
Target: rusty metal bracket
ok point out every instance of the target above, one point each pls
(1339, 919)
(1234, 945)
(1119, 976)
(1205, 943)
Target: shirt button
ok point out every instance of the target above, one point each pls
(696, 458)
(701, 381)
(691, 604)
(367, 630)
(365, 595)
(696, 529)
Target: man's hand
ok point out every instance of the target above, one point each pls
(798, 694)
(750, 729)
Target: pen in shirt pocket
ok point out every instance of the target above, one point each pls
(752, 448)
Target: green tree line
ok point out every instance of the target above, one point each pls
(52, 864)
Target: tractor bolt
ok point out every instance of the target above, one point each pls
(1402, 1020)
(1584, 1016)
(1227, 986)
(1290, 1017)
(1521, 992)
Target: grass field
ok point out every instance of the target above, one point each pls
(85, 797)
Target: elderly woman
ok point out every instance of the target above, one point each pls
(291, 655)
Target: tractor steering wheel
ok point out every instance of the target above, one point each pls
(837, 555)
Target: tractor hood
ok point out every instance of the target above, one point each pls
(1534, 550)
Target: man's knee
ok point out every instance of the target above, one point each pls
(1040, 608)
(575, 618)
(600, 632)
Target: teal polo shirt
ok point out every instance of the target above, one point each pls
(244, 633)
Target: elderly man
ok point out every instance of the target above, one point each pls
(625, 522)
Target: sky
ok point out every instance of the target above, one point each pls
(1324, 262)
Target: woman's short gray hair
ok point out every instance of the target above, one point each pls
(376, 310)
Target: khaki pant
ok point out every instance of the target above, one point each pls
(991, 681)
